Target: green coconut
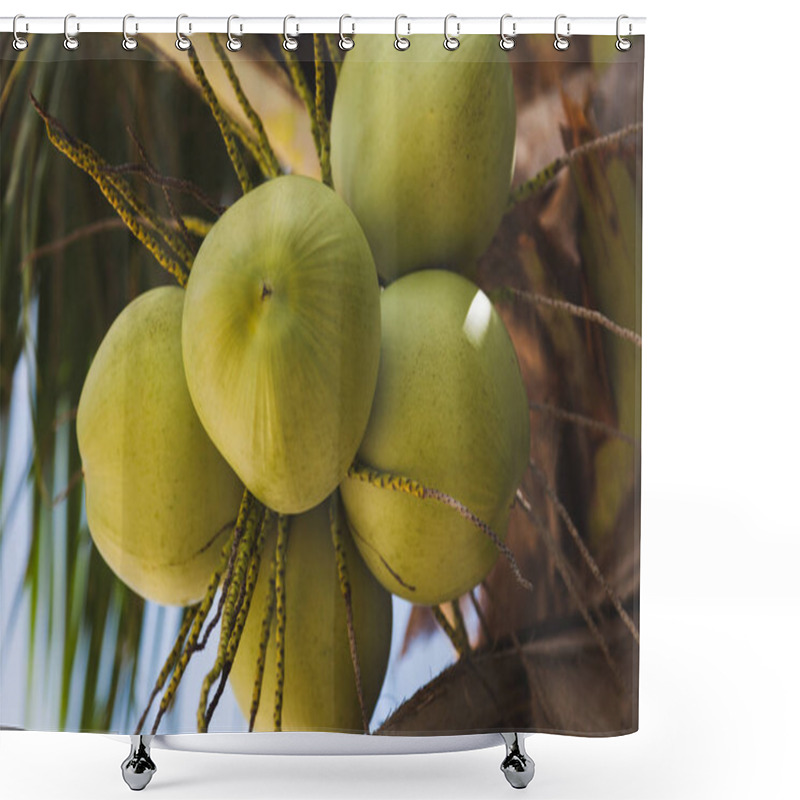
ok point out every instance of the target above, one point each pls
(450, 411)
(281, 339)
(160, 499)
(422, 148)
(319, 688)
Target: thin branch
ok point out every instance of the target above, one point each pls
(88, 159)
(189, 616)
(584, 551)
(166, 181)
(304, 92)
(73, 481)
(399, 483)
(268, 161)
(19, 63)
(281, 548)
(263, 644)
(223, 122)
(248, 140)
(324, 146)
(572, 589)
(542, 178)
(449, 630)
(481, 616)
(334, 52)
(581, 419)
(233, 621)
(460, 626)
(184, 647)
(582, 312)
(56, 246)
(334, 514)
(233, 559)
(191, 645)
(121, 197)
(176, 218)
(196, 226)
(66, 416)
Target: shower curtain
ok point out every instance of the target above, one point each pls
(320, 393)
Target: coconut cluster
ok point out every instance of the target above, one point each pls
(283, 363)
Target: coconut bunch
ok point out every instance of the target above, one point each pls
(328, 384)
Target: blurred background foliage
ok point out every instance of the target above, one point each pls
(68, 268)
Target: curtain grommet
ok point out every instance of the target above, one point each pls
(623, 44)
(70, 41)
(234, 43)
(290, 42)
(560, 42)
(182, 42)
(19, 44)
(401, 42)
(128, 42)
(451, 42)
(345, 42)
(507, 41)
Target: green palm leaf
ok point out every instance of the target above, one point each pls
(63, 280)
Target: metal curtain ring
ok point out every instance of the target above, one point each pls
(234, 43)
(182, 42)
(560, 43)
(70, 41)
(290, 42)
(507, 42)
(345, 42)
(622, 43)
(128, 42)
(400, 42)
(19, 43)
(451, 42)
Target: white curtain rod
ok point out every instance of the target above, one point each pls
(297, 25)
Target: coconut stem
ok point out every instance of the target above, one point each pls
(229, 648)
(237, 603)
(323, 128)
(253, 567)
(566, 575)
(189, 616)
(450, 631)
(198, 226)
(334, 53)
(246, 139)
(266, 157)
(238, 533)
(303, 91)
(590, 314)
(583, 549)
(344, 586)
(223, 122)
(191, 643)
(542, 178)
(481, 616)
(263, 643)
(280, 614)
(121, 197)
(581, 419)
(182, 185)
(177, 220)
(399, 483)
(460, 626)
